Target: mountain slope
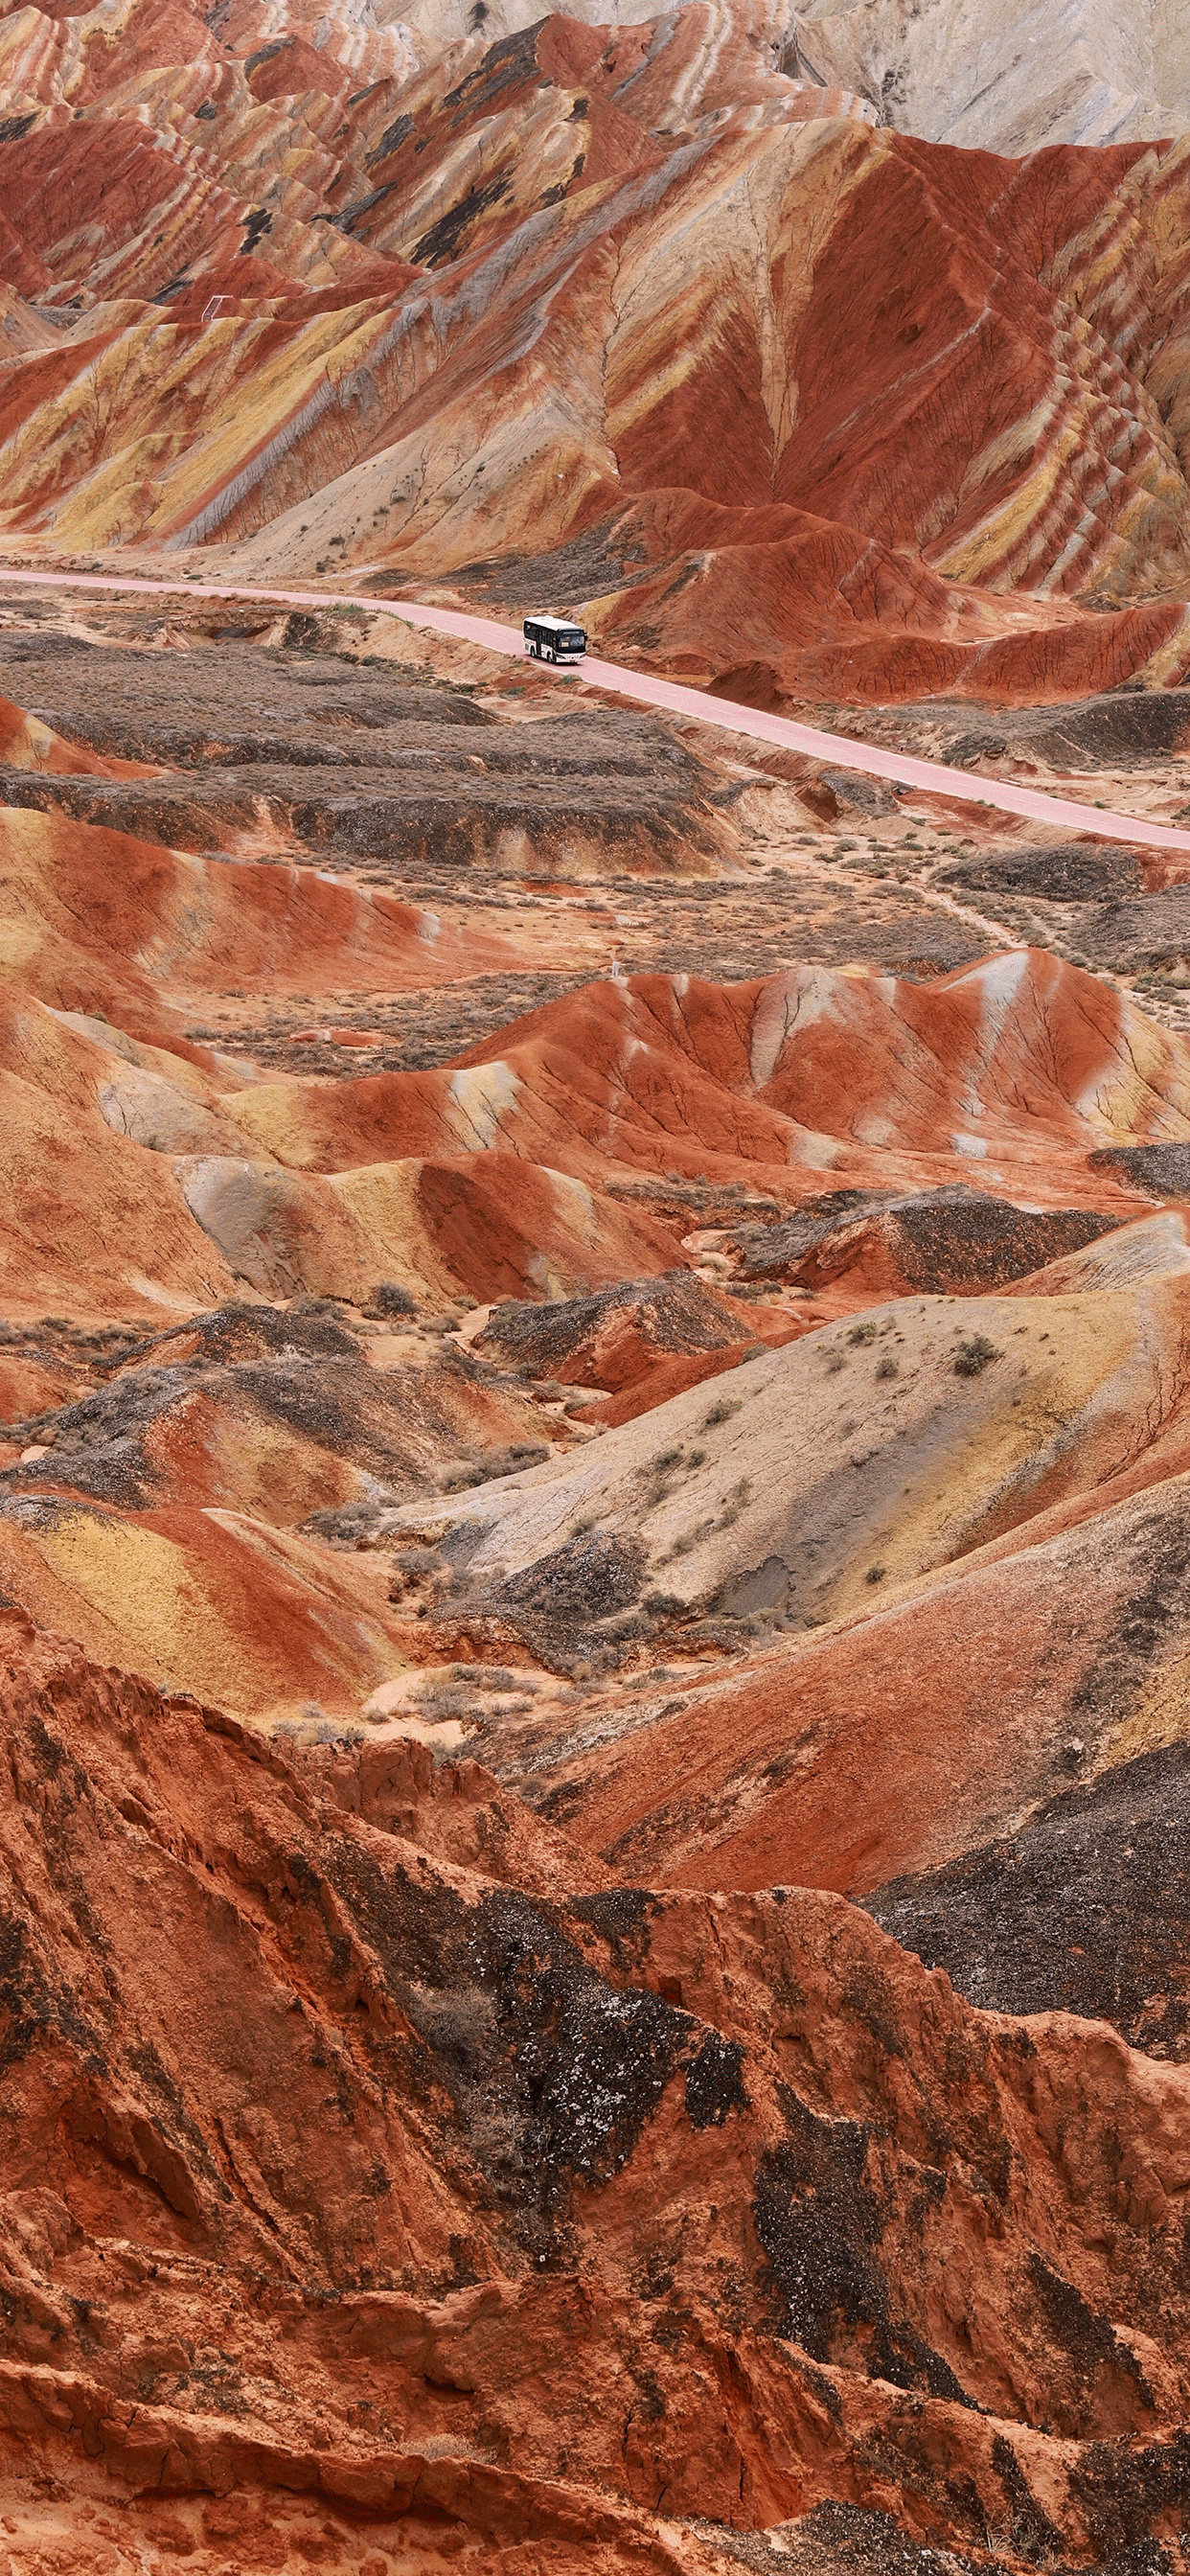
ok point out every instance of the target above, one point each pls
(1008, 80)
(413, 2193)
(912, 420)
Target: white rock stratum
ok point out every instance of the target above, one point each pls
(1007, 75)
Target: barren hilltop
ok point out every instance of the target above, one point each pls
(594, 1305)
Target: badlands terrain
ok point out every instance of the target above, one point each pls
(592, 1526)
(594, 1309)
(666, 320)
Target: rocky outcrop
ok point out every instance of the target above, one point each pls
(1006, 80)
(378, 2171)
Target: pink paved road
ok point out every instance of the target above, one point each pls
(1061, 812)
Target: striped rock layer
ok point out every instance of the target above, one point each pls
(771, 392)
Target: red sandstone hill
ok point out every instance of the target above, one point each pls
(628, 1585)
(385, 2187)
(594, 1926)
(210, 1174)
(382, 303)
(148, 1176)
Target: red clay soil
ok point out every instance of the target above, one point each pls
(388, 2178)
(218, 1599)
(27, 743)
(638, 1344)
(366, 2155)
(504, 1227)
(105, 915)
(847, 1073)
(670, 1377)
(897, 1740)
(488, 1177)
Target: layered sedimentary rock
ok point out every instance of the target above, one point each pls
(419, 2194)
(1007, 80)
(627, 1554)
(619, 1474)
(377, 304)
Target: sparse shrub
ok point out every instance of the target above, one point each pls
(722, 1412)
(411, 1565)
(668, 1458)
(973, 1355)
(389, 1298)
(835, 1361)
(865, 1332)
(439, 1701)
(697, 1458)
(886, 1367)
(497, 1462)
(875, 1574)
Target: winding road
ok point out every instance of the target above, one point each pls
(901, 769)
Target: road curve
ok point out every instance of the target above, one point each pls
(900, 768)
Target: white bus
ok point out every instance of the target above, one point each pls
(554, 639)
